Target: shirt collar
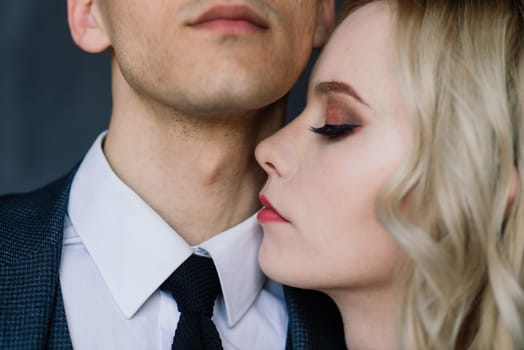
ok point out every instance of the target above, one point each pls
(135, 250)
(235, 254)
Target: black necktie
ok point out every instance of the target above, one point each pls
(195, 286)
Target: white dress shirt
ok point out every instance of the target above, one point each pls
(117, 251)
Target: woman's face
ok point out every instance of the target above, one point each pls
(323, 232)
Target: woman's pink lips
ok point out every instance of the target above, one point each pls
(231, 19)
(268, 213)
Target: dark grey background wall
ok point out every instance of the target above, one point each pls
(54, 98)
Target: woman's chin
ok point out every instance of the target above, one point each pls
(289, 269)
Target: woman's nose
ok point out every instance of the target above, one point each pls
(276, 154)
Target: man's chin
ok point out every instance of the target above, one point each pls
(226, 103)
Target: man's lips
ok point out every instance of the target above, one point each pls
(268, 213)
(234, 19)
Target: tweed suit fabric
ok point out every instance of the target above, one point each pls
(314, 321)
(32, 314)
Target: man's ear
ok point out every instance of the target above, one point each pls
(325, 22)
(86, 26)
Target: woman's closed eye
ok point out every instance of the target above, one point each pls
(335, 131)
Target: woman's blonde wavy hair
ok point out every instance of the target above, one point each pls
(457, 206)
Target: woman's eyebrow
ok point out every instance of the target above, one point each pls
(327, 87)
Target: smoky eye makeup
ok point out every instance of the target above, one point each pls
(341, 119)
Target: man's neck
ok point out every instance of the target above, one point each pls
(199, 174)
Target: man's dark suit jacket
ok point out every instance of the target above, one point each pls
(32, 312)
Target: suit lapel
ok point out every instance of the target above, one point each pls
(31, 230)
(314, 321)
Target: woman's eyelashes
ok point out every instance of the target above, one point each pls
(341, 118)
(335, 131)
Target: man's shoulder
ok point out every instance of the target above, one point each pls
(31, 232)
(23, 203)
(29, 220)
